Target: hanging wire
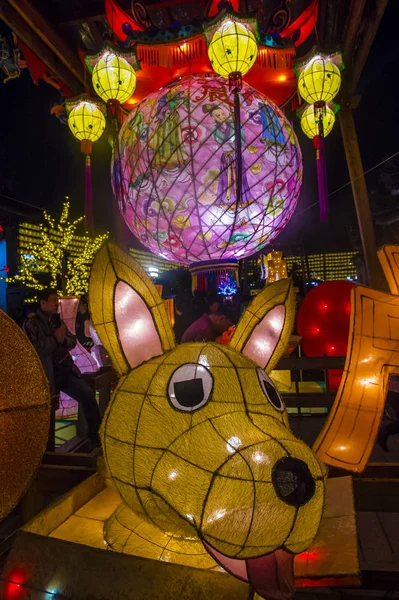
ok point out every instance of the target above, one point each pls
(347, 183)
(26, 204)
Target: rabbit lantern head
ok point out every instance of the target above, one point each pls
(196, 439)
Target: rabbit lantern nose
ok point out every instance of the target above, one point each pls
(293, 481)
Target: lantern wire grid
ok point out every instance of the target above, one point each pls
(277, 142)
(109, 74)
(143, 397)
(86, 123)
(222, 56)
(319, 81)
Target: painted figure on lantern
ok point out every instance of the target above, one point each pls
(272, 132)
(169, 151)
(290, 133)
(223, 133)
(273, 188)
(134, 135)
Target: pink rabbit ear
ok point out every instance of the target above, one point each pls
(264, 330)
(127, 311)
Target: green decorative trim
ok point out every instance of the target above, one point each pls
(229, 15)
(72, 102)
(300, 64)
(301, 109)
(128, 54)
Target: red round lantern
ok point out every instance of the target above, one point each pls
(323, 322)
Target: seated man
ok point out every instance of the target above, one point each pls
(52, 341)
(207, 328)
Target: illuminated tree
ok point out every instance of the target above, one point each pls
(69, 274)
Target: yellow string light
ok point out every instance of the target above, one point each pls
(51, 256)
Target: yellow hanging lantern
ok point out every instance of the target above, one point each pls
(319, 81)
(86, 120)
(310, 122)
(232, 46)
(233, 49)
(114, 78)
(113, 74)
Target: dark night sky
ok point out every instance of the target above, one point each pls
(42, 161)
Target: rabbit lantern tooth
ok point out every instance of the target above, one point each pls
(197, 439)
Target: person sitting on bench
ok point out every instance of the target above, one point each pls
(52, 341)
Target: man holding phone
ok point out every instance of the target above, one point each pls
(52, 341)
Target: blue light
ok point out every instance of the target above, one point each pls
(228, 288)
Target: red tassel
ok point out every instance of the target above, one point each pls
(318, 142)
(88, 198)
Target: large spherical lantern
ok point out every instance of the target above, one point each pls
(233, 49)
(323, 322)
(319, 81)
(178, 169)
(310, 122)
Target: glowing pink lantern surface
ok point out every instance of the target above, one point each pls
(82, 358)
(265, 337)
(179, 189)
(136, 328)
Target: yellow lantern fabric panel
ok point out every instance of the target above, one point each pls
(319, 81)
(115, 274)
(274, 328)
(349, 434)
(24, 413)
(126, 532)
(233, 49)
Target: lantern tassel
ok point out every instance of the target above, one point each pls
(88, 198)
(86, 147)
(318, 142)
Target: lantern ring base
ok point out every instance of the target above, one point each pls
(207, 275)
(235, 81)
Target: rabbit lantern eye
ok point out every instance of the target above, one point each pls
(190, 387)
(270, 391)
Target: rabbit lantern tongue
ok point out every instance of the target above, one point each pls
(271, 575)
(196, 437)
